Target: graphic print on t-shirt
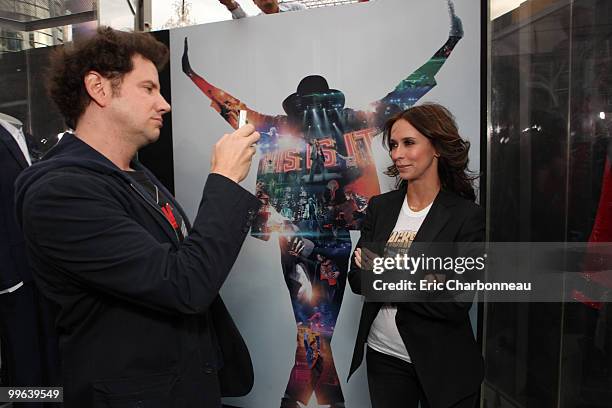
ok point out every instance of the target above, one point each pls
(384, 336)
(400, 240)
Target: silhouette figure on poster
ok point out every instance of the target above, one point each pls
(314, 178)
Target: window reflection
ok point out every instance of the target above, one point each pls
(550, 181)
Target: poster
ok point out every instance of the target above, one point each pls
(318, 85)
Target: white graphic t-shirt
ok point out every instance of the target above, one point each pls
(384, 336)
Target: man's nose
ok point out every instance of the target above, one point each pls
(164, 106)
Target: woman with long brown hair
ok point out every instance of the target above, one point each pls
(420, 351)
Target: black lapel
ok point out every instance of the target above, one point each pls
(154, 210)
(388, 210)
(167, 193)
(436, 219)
(13, 147)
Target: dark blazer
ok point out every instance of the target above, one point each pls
(13, 261)
(26, 320)
(437, 335)
(141, 322)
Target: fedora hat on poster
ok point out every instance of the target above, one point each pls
(313, 91)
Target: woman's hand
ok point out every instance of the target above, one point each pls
(364, 258)
(357, 255)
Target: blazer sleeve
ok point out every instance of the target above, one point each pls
(472, 232)
(367, 234)
(78, 230)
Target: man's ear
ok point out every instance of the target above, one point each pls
(98, 88)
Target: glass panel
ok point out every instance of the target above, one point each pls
(45, 120)
(549, 151)
(13, 78)
(116, 14)
(527, 193)
(24, 97)
(586, 359)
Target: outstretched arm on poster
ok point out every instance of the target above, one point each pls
(421, 81)
(226, 104)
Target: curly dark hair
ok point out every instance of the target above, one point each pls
(109, 53)
(437, 124)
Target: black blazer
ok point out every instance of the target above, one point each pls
(437, 335)
(14, 263)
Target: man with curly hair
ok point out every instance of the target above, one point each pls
(141, 322)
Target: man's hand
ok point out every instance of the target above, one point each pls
(234, 153)
(230, 4)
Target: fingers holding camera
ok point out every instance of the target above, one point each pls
(233, 153)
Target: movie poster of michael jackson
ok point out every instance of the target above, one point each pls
(303, 78)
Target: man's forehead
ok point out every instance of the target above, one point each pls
(144, 69)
